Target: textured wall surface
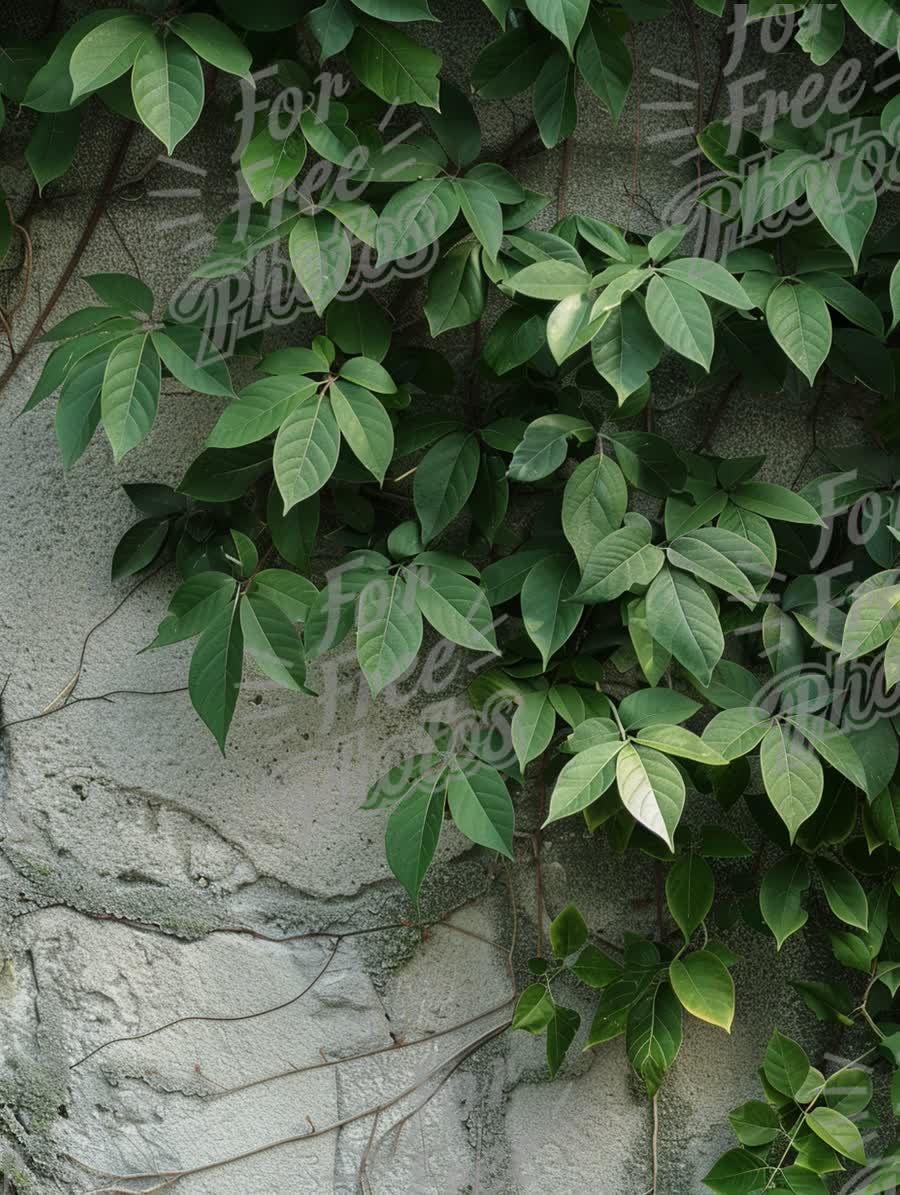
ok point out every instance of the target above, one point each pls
(132, 851)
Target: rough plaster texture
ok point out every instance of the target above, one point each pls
(124, 812)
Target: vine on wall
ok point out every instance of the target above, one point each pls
(616, 586)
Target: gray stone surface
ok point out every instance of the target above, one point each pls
(130, 847)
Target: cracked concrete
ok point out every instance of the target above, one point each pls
(128, 841)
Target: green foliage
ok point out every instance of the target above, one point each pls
(605, 586)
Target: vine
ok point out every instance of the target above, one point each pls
(612, 587)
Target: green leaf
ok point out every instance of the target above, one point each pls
(194, 606)
(690, 888)
(545, 443)
(774, 502)
(680, 317)
(675, 740)
(78, 409)
(389, 631)
(873, 617)
(482, 212)
(842, 195)
(605, 63)
(363, 372)
(130, 393)
(651, 789)
(394, 67)
(365, 425)
(595, 968)
(704, 986)
(625, 348)
(508, 65)
(332, 26)
(820, 31)
(167, 86)
(561, 1031)
(550, 279)
(792, 776)
(786, 1066)
(737, 1172)
(532, 726)
(754, 1123)
(444, 479)
(270, 163)
(774, 186)
(261, 408)
(653, 1035)
(456, 126)
(359, 327)
(583, 779)
(780, 895)
(568, 932)
(834, 747)
(122, 290)
(414, 217)
(844, 893)
(553, 99)
(413, 830)
(709, 278)
(480, 806)
(534, 1009)
(191, 357)
(271, 639)
(52, 147)
(650, 707)
(722, 558)
(621, 561)
(838, 1132)
(214, 42)
(320, 255)
(682, 618)
(306, 450)
(455, 607)
(223, 474)
(107, 52)
(139, 547)
(295, 595)
(550, 619)
(799, 321)
(736, 731)
(849, 1090)
(456, 289)
(215, 673)
(563, 18)
(594, 503)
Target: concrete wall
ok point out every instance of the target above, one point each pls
(131, 850)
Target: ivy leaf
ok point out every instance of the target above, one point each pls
(583, 780)
(107, 52)
(844, 893)
(595, 499)
(130, 393)
(413, 830)
(704, 986)
(780, 895)
(680, 317)
(52, 147)
(215, 673)
(455, 607)
(480, 806)
(549, 617)
(320, 255)
(563, 18)
(532, 726)
(792, 776)
(414, 217)
(651, 789)
(456, 289)
(397, 69)
(167, 86)
(798, 318)
(690, 888)
(365, 425)
(261, 408)
(444, 479)
(269, 164)
(605, 63)
(270, 637)
(389, 631)
(653, 1035)
(842, 195)
(214, 42)
(682, 618)
(838, 1132)
(306, 450)
(482, 211)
